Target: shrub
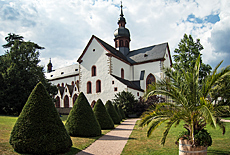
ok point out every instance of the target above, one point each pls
(127, 101)
(39, 129)
(122, 112)
(102, 115)
(112, 112)
(118, 112)
(81, 121)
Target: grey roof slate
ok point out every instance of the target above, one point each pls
(154, 52)
(131, 84)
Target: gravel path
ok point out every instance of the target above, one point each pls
(113, 142)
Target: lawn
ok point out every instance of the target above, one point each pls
(7, 123)
(139, 144)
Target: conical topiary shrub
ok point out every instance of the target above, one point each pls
(118, 112)
(102, 115)
(122, 112)
(39, 129)
(112, 112)
(81, 121)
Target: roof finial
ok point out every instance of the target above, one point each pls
(121, 10)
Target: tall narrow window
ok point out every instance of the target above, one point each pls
(126, 43)
(98, 86)
(94, 71)
(57, 104)
(93, 103)
(89, 87)
(122, 73)
(149, 80)
(74, 98)
(66, 102)
(121, 43)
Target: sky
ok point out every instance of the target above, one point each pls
(64, 27)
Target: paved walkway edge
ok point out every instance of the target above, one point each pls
(113, 142)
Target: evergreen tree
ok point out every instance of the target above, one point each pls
(102, 115)
(121, 112)
(39, 129)
(118, 112)
(112, 112)
(81, 121)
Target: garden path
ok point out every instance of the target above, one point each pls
(113, 142)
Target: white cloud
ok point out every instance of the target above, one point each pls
(65, 27)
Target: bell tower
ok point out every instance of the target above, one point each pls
(122, 35)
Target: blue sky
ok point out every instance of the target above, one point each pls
(65, 27)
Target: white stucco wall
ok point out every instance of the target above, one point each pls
(116, 68)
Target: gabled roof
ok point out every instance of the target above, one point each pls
(131, 84)
(147, 54)
(61, 89)
(107, 47)
(70, 87)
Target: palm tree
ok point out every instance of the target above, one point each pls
(190, 102)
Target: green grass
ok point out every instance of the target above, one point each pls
(140, 144)
(7, 123)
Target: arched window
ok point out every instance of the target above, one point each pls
(121, 43)
(72, 83)
(57, 103)
(94, 71)
(74, 98)
(150, 79)
(126, 43)
(115, 44)
(93, 103)
(122, 73)
(66, 102)
(98, 86)
(89, 87)
(62, 84)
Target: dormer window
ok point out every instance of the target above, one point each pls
(94, 50)
(145, 55)
(62, 72)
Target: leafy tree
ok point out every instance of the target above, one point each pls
(221, 92)
(102, 115)
(20, 73)
(112, 112)
(126, 100)
(190, 102)
(187, 54)
(81, 121)
(39, 129)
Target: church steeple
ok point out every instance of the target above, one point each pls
(49, 66)
(122, 35)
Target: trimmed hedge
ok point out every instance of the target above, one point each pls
(39, 129)
(112, 112)
(81, 121)
(102, 115)
(122, 112)
(118, 112)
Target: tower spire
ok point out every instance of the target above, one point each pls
(122, 35)
(121, 10)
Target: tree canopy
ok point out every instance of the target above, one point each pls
(126, 100)
(186, 55)
(19, 73)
